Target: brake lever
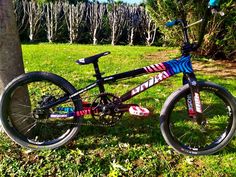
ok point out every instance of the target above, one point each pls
(215, 11)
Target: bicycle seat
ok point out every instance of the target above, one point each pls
(92, 59)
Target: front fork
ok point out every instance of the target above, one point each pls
(193, 100)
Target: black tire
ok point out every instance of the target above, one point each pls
(188, 137)
(21, 117)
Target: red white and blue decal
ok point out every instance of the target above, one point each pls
(168, 69)
(175, 66)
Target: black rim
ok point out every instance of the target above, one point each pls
(194, 137)
(32, 124)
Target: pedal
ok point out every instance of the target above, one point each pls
(139, 111)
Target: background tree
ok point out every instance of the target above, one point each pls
(220, 32)
(34, 11)
(95, 14)
(134, 19)
(11, 64)
(220, 40)
(74, 15)
(120, 23)
(53, 17)
(21, 16)
(117, 14)
(161, 12)
(148, 26)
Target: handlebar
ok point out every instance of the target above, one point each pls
(171, 23)
(213, 6)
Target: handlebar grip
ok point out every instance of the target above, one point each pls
(171, 23)
(214, 3)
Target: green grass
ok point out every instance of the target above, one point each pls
(134, 147)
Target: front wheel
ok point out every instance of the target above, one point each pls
(189, 137)
(26, 121)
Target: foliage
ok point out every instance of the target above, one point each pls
(82, 22)
(70, 1)
(224, 38)
(134, 147)
(219, 41)
(163, 11)
(220, 36)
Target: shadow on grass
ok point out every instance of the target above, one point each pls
(220, 68)
(131, 131)
(135, 131)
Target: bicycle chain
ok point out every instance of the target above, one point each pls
(90, 124)
(95, 125)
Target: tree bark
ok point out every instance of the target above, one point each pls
(94, 14)
(53, 17)
(73, 15)
(117, 21)
(134, 20)
(21, 17)
(11, 63)
(34, 12)
(148, 27)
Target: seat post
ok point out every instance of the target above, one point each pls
(98, 76)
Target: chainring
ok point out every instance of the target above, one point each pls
(104, 109)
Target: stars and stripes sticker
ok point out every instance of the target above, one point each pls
(155, 68)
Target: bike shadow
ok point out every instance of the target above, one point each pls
(130, 131)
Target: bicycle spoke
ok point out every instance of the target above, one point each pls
(23, 118)
(189, 132)
(31, 128)
(28, 126)
(21, 115)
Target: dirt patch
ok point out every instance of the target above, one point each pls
(223, 68)
(163, 55)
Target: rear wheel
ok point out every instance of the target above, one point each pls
(188, 136)
(32, 126)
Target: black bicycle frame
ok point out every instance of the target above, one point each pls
(166, 69)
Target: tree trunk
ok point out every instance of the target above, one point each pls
(113, 35)
(11, 63)
(131, 40)
(94, 36)
(34, 12)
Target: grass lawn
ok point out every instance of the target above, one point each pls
(134, 147)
